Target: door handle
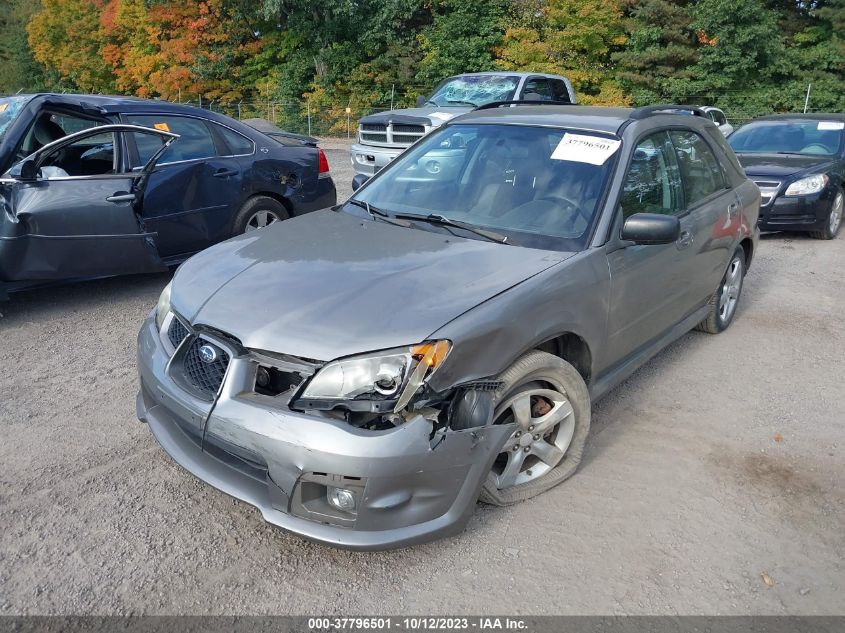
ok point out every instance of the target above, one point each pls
(225, 173)
(684, 239)
(121, 197)
(732, 210)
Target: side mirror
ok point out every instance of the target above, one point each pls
(421, 101)
(358, 180)
(651, 228)
(24, 170)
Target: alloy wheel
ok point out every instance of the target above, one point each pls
(836, 213)
(260, 219)
(729, 294)
(545, 425)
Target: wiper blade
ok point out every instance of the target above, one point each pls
(442, 220)
(375, 212)
(470, 103)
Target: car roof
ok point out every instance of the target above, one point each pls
(581, 117)
(506, 73)
(115, 104)
(809, 116)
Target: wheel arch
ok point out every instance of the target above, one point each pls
(572, 348)
(747, 245)
(271, 194)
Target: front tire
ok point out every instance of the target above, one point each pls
(257, 213)
(724, 302)
(834, 219)
(547, 401)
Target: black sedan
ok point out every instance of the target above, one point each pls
(798, 162)
(95, 186)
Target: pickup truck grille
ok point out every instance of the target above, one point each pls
(392, 134)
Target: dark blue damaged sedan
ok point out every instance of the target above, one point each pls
(95, 186)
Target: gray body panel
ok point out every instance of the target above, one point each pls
(332, 284)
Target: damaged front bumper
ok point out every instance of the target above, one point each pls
(409, 485)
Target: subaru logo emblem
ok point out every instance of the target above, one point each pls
(208, 353)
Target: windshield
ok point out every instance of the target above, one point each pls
(539, 187)
(793, 136)
(474, 90)
(9, 109)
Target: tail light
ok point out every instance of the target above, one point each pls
(324, 164)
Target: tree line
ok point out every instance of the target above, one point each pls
(746, 56)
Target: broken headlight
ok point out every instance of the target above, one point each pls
(393, 375)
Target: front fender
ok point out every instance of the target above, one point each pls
(572, 297)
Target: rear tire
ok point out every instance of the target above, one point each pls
(257, 213)
(724, 302)
(547, 400)
(834, 219)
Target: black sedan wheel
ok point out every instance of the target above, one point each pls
(834, 219)
(547, 402)
(257, 213)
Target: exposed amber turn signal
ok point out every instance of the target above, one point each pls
(432, 353)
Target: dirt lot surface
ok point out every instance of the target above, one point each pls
(718, 466)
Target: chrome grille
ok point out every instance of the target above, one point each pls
(768, 190)
(206, 377)
(177, 332)
(393, 134)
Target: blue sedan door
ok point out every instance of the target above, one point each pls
(196, 188)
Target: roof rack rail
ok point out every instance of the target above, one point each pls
(499, 104)
(666, 108)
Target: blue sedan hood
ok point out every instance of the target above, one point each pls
(329, 284)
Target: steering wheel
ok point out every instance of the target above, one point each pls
(812, 147)
(570, 205)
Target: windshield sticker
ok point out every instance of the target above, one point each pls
(831, 125)
(162, 126)
(580, 148)
(441, 116)
(3, 106)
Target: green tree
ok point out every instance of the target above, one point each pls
(18, 68)
(661, 49)
(576, 38)
(461, 38)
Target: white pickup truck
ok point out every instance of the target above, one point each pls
(383, 136)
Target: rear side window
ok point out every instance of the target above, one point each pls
(194, 142)
(238, 144)
(700, 171)
(537, 89)
(559, 91)
(652, 184)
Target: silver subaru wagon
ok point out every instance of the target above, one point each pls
(363, 375)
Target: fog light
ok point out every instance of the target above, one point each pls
(262, 377)
(341, 499)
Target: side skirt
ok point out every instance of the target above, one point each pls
(629, 365)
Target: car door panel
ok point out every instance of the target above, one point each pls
(648, 283)
(191, 205)
(194, 192)
(74, 226)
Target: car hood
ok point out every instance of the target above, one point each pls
(329, 284)
(781, 165)
(434, 116)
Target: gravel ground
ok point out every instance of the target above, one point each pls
(718, 466)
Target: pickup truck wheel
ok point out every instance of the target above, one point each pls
(834, 219)
(547, 401)
(257, 213)
(724, 301)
